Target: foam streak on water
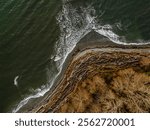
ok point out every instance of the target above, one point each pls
(16, 80)
(74, 26)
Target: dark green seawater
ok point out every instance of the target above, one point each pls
(37, 35)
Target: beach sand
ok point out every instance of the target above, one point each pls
(94, 56)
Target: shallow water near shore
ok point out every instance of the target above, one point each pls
(36, 36)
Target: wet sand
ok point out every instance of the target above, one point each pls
(91, 43)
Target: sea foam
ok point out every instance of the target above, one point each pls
(73, 27)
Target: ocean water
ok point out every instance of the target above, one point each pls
(36, 36)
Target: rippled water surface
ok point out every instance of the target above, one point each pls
(37, 35)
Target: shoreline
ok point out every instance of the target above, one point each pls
(56, 95)
(91, 41)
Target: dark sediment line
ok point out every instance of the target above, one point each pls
(111, 56)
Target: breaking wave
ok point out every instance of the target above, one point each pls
(74, 25)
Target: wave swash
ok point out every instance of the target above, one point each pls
(73, 27)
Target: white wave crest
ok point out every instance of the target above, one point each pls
(74, 25)
(25, 101)
(16, 80)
